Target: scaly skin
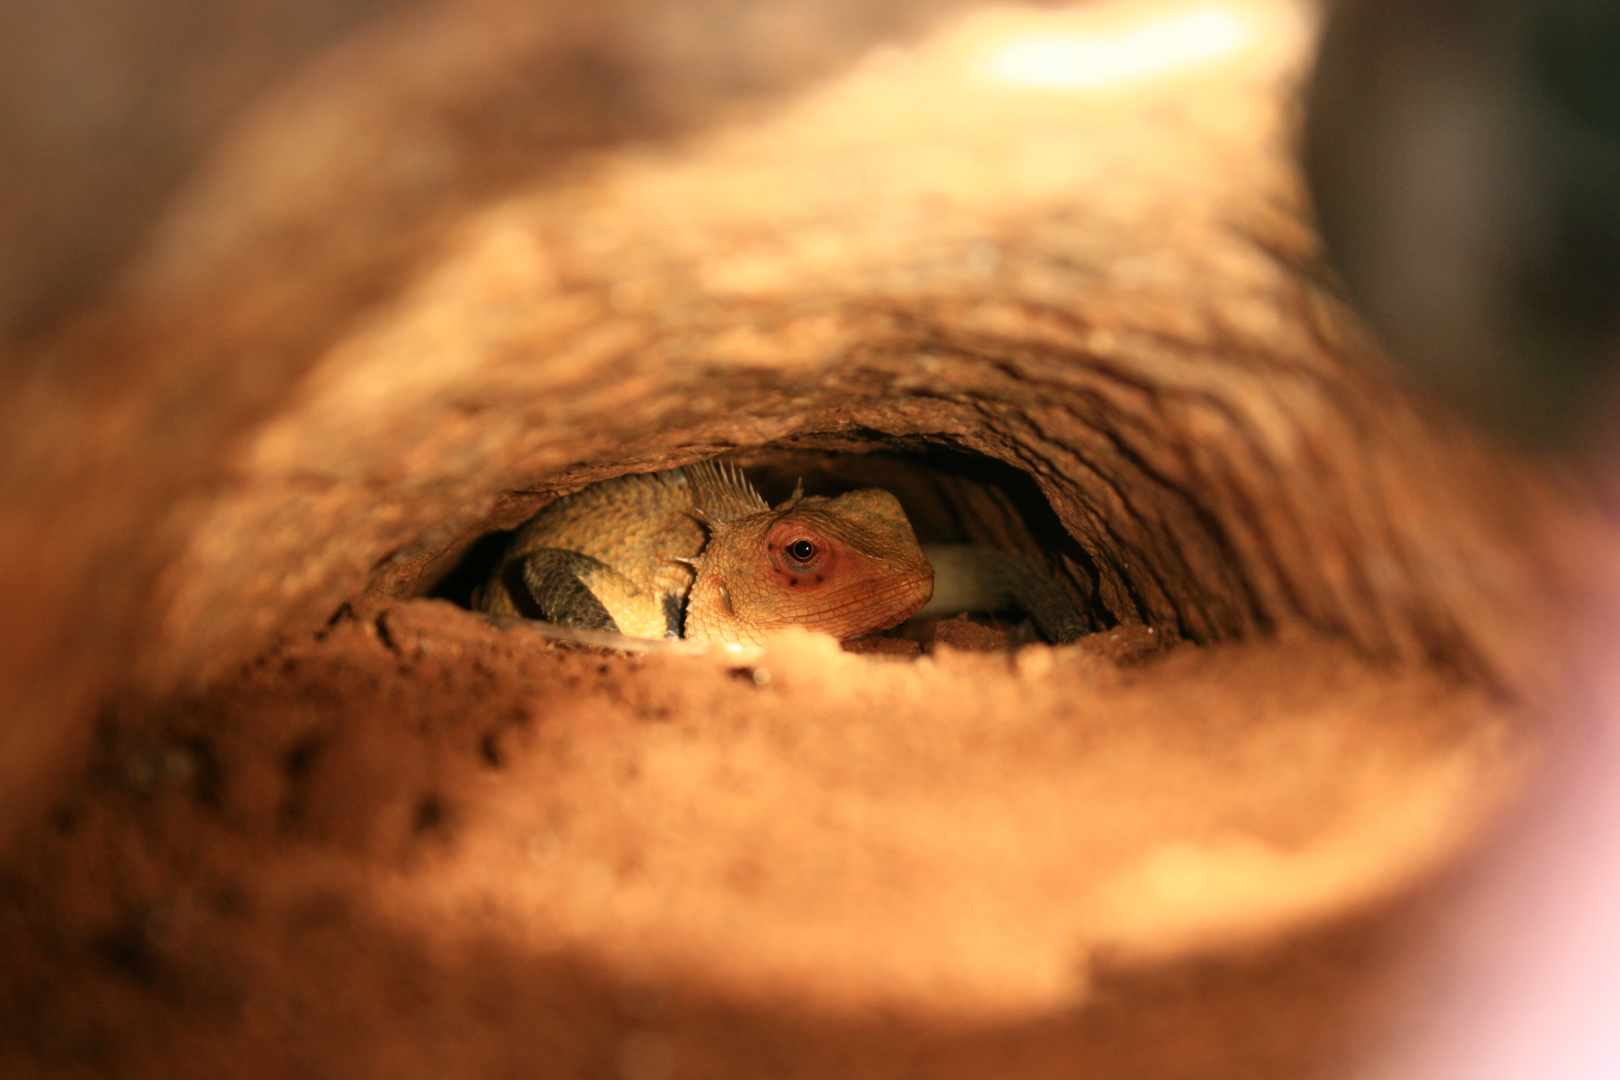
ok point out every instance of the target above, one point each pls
(699, 550)
(627, 538)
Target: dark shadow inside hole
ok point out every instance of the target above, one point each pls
(950, 497)
(472, 569)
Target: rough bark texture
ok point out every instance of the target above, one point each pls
(271, 806)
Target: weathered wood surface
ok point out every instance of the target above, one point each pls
(478, 255)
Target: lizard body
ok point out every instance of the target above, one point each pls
(971, 578)
(610, 557)
(696, 552)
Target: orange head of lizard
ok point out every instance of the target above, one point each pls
(846, 566)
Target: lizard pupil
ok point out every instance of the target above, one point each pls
(801, 550)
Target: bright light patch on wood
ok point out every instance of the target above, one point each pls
(1080, 62)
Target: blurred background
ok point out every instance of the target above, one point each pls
(1464, 159)
(1465, 163)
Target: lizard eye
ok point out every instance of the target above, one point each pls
(801, 550)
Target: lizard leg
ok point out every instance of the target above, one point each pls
(553, 585)
(970, 578)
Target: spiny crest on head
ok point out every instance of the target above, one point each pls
(797, 496)
(721, 493)
(693, 563)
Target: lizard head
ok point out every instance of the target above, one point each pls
(846, 566)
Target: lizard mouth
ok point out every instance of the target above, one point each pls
(277, 795)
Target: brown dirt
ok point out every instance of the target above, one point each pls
(274, 811)
(526, 854)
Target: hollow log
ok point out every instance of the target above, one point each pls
(276, 804)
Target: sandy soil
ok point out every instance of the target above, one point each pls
(428, 842)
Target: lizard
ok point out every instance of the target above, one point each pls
(697, 552)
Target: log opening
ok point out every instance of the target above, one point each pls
(949, 498)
